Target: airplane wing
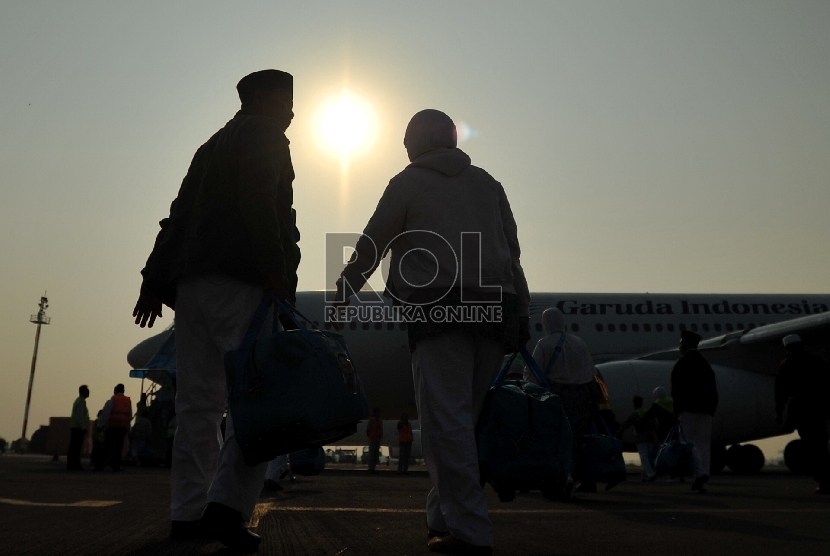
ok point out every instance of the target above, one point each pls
(808, 327)
(162, 365)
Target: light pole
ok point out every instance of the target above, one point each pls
(39, 319)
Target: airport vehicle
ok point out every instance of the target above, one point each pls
(631, 339)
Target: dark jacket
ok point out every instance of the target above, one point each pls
(693, 385)
(233, 214)
(805, 378)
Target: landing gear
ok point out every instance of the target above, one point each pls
(745, 459)
(718, 461)
(796, 457)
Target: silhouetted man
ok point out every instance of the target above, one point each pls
(117, 414)
(78, 425)
(230, 236)
(803, 380)
(695, 394)
(424, 214)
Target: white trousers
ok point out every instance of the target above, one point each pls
(697, 427)
(643, 449)
(212, 315)
(452, 374)
(276, 467)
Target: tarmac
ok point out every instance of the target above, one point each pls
(344, 511)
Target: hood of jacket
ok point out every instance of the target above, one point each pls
(448, 161)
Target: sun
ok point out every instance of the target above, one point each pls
(346, 125)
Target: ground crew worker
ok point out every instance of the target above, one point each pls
(405, 440)
(424, 214)
(644, 431)
(695, 394)
(567, 363)
(230, 236)
(78, 424)
(802, 386)
(117, 414)
(374, 430)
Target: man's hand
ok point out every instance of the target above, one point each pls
(147, 308)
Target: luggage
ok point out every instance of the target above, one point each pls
(292, 390)
(307, 462)
(676, 457)
(601, 456)
(523, 436)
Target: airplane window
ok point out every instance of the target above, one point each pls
(658, 327)
(352, 325)
(647, 327)
(612, 328)
(750, 326)
(739, 326)
(670, 327)
(623, 328)
(635, 327)
(575, 327)
(365, 326)
(378, 325)
(538, 327)
(694, 327)
(402, 326)
(717, 327)
(728, 327)
(705, 327)
(390, 326)
(599, 328)
(681, 327)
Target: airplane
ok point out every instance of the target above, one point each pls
(630, 337)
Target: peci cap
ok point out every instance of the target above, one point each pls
(791, 339)
(691, 337)
(265, 79)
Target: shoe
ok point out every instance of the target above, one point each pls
(229, 527)
(699, 482)
(568, 491)
(587, 486)
(270, 484)
(432, 533)
(185, 530)
(450, 545)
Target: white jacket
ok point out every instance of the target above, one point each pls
(441, 195)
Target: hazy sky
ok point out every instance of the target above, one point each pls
(644, 146)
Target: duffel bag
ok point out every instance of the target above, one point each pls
(523, 436)
(676, 457)
(307, 462)
(601, 455)
(292, 390)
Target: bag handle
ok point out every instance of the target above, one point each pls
(556, 351)
(531, 364)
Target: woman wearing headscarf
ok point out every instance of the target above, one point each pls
(571, 374)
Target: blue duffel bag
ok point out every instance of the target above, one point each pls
(601, 456)
(292, 390)
(676, 457)
(307, 462)
(523, 435)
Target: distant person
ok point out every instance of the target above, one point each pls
(644, 437)
(661, 414)
(695, 394)
(405, 440)
(802, 387)
(97, 458)
(374, 430)
(140, 435)
(78, 425)
(141, 406)
(229, 238)
(567, 363)
(117, 414)
(427, 207)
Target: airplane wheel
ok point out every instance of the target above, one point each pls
(747, 459)
(718, 461)
(795, 457)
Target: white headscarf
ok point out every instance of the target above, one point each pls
(553, 320)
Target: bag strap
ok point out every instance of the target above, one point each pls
(531, 364)
(557, 350)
